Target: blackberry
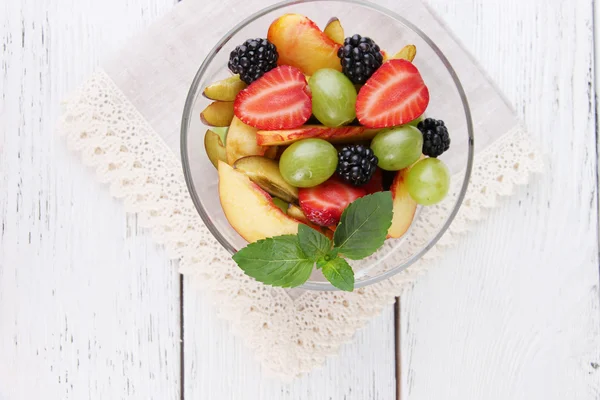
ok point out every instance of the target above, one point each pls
(356, 164)
(360, 58)
(253, 59)
(436, 139)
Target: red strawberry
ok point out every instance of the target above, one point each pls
(375, 184)
(280, 99)
(325, 203)
(394, 95)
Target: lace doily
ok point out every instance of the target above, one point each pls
(290, 336)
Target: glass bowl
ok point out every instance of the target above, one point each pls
(391, 32)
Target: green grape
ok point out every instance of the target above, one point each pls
(308, 162)
(415, 122)
(283, 205)
(333, 97)
(428, 181)
(398, 148)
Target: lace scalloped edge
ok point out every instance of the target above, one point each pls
(289, 336)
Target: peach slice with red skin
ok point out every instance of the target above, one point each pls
(404, 206)
(301, 44)
(343, 134)
(249, 209)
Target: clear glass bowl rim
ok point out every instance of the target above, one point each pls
(191, 97)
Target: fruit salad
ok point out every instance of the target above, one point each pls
(322, 149)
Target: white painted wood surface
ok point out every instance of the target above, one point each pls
(513, 312)
(89, 308)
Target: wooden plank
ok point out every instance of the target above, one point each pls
(89, 308)
(512, 312)
(219, 365)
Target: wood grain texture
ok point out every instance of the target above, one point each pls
(512, 312)
(89, 307)
(219, 366)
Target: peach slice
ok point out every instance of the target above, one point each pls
(249, 209)
(218, 113)
(265, 173)
(226, 89)
(404, 206)
(214, 148)
(341, 134)
(241, 142)
(301, 44)
(335, 31)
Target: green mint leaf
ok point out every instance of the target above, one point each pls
(364, 226)
(277, 261)
(314, 244)
(331, 254)
(339, 273)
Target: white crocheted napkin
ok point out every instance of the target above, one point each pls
(125, 121)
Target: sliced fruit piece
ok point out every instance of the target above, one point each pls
(249, 209)
(324, 204)
(241, 142)
(404, 206)
(300, 43)
(296, 212)
(218, 113)
(283, 205)
(335, 31)
(376, 183)
(214, 148)
(272, 152)
(222, 132)
(280, 99)
(408, 53)
(265, 173)
(226, 89)
(343, 134)
(394, 95)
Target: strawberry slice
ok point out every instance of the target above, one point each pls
(280, 99)
(375, 184)
(394, 95)
(324, 204)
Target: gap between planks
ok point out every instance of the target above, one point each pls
(595, 82)
(398, 358)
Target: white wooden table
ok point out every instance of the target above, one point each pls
(90, 309)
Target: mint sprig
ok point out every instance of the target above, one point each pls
(314, 244)
(364, 226)
(277, 261)
(288, 261)
(339, 273)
